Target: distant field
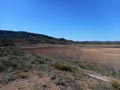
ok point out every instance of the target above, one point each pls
(106, 56)
(98, 54)
(104, 46)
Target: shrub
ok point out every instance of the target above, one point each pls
(40, 61)
(23, 74)
(7, 77)
(116, 84)
(65, 66)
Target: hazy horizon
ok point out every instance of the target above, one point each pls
(79, 20)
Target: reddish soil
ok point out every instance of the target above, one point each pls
(67, 51)
(105, 56)
(34, 82)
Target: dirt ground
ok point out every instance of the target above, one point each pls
(106, 56)
(33, 82)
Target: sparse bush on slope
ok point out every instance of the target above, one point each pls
(12, 58)
(13, 63)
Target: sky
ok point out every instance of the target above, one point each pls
(80, 20)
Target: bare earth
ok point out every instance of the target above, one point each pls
(33, 82)
(107, 56)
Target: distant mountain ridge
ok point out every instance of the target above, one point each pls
(21, 37)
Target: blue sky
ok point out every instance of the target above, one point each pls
(70, 19)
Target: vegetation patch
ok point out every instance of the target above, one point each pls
(23, 74)
(41, 60)
(116, 84)
(12, 61)
(65, 66)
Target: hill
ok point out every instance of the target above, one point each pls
(22, 37)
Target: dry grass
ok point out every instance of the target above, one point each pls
(109, 57)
